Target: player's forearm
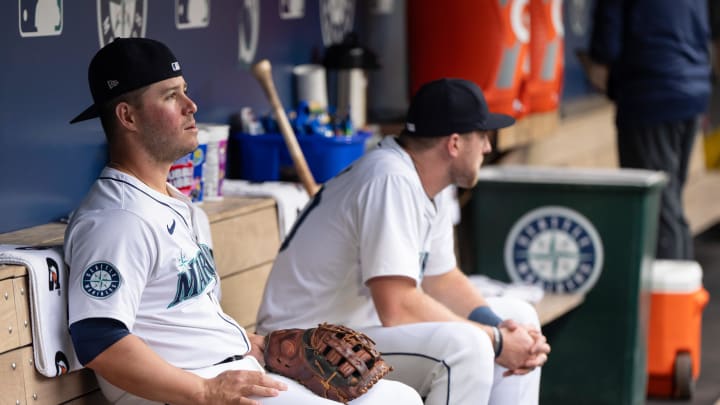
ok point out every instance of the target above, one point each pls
(424, 308)
(399, 301)
(131, 365)
(398, 306)
(454, 290)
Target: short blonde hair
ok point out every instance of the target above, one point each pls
(418, 143)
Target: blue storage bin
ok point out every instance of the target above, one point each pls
(260, 157)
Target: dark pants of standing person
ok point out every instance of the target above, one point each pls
(665, 147)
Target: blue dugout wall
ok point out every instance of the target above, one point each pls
(47, 165)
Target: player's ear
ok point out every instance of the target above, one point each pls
(452, 144)
(125, 114)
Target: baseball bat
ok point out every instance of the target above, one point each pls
(263, 73)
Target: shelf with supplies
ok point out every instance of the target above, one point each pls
(528, 129)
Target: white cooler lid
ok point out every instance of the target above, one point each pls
(676, 276)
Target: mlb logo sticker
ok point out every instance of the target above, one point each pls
(292, 9)
(40, 18)
(192, 14)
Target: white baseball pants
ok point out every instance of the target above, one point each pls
(452, 363)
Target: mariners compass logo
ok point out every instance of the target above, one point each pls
(121, 19)
(555, 248)
(101, 280)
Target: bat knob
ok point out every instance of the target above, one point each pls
(262, 68)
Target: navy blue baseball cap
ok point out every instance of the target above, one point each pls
(124, 65)
(447, 106)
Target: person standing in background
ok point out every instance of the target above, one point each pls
(657, 55)
(714, 8)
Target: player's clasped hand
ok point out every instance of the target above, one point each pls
(236, 386)
(537, 354)
(517, 344)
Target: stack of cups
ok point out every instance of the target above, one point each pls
(215, 158)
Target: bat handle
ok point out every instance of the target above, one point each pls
(263, 72)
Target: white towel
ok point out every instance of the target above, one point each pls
(290, 198)
(489, 287)
(48, 275)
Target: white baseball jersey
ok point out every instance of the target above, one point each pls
(144, 258)
(374, 219)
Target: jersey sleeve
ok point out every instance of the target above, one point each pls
(110, 257)
(389, 229)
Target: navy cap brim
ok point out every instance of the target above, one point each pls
(492, 123)
(497, 121)
(89, 113)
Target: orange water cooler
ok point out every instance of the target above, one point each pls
(485, 41)
(546, 56)
(674, 333)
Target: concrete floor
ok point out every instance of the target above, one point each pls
(707, 389)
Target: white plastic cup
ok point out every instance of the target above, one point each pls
(311, 84)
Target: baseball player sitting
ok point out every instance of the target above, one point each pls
(143, 308)
(374, 250)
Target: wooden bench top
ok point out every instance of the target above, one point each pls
(553, 306)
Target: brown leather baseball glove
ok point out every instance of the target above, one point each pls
(333, 361)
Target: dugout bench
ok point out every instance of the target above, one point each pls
(246, 239)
